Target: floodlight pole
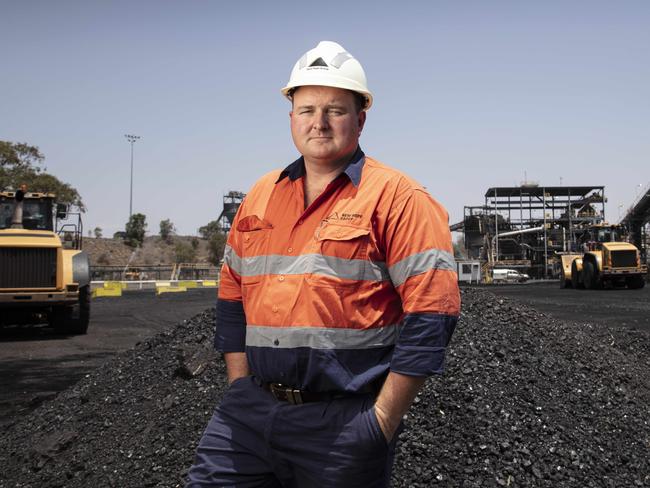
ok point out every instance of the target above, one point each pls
(132, 139)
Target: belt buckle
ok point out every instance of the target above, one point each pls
(289, 395)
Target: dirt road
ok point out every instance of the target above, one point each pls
(621, 307)
(36, 364)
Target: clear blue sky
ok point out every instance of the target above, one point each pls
(468, 95)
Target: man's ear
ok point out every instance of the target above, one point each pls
(361, 120)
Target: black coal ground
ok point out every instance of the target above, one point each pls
(527, 401)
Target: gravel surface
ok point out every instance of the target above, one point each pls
(37, 363)
(527, 401)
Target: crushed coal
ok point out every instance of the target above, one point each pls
(527, 401)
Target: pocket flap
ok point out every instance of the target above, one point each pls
(338, 232)
(251, 223)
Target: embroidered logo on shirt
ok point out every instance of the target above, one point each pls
(344, 216)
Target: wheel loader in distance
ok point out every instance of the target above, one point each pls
(607, 259)
(44, 274)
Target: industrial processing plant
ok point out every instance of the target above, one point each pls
(529, 227)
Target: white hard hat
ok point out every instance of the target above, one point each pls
(329, 64)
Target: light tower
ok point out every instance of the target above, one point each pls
(131, 138)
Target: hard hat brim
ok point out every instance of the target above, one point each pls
(286, 91)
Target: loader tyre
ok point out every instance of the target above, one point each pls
(635, 282)
(73, 319)
(575, 278)
(564, 281)
(81, 324)
(589, 275)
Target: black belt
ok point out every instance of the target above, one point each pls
(293, 396)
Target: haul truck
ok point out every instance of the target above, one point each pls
(44, 274)
(606, 259)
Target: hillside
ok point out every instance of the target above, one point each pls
(155, 251)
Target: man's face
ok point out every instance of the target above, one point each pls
(325, 125)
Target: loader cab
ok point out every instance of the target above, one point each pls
(594, 237)
(37, 211)
(607, 234)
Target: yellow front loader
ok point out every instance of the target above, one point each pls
(605, 260)
(44, 274)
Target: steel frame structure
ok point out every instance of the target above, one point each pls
(559, 211)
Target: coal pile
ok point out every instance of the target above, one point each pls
(527, 401)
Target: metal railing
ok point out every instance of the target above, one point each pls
(158, 272)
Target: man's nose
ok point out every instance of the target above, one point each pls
(320, 121)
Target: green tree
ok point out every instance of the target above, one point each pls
(167, 229)
(216, 238)
(21, 164)
(98, 232)
(135, 230)
(216, 245)
(184, 253)
(210, 229)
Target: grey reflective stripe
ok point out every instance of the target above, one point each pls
(340, 58)
(231, 259)
(275, 264)
(320, 337)
(421, 263)
(352, 269)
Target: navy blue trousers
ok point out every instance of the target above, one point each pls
(254, 440)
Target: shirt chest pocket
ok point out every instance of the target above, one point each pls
(255, 234)
(341, 255)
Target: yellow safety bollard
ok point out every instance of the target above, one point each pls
(110, 285)
(188, 284)
(107, 292)
(169, 289)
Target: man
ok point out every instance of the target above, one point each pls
(338, 297)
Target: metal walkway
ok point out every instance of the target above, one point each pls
(636, 218)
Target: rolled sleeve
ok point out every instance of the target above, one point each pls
(421, 346)
(423, 271)
(230, 327)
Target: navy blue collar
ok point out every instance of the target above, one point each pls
(353, 170)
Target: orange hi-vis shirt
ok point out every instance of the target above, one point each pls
(332, 297)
